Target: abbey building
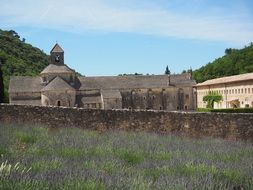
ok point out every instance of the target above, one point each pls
(58, 85)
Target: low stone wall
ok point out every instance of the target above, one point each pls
(222, 125)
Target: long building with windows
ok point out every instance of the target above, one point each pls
(58, 85)
(237, 91)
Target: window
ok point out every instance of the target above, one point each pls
(144, 97)
(71, 78)
(232, 91)
(153, 97)
(245, 90)
(242, 90)
(236, 91)
(229, 91)
(44, 79)
(249, 90)
(58, 103)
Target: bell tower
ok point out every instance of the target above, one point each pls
(57, 55)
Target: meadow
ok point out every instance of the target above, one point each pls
(36, 157)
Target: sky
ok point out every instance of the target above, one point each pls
(111, 37)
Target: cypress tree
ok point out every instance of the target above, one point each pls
(167, 71)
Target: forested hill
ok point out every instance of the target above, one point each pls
(234, 62)
(19, 58)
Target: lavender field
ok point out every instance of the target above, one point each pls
(72, 158)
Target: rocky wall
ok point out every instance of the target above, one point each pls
(221, 125)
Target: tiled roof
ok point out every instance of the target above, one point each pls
(91, 99)
(57, 48)
(134, 81)
(111, 94)
(230, 79)
(58, 84)
(25, 84)
(121, 82)
(57, 69)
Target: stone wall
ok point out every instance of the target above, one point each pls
(229, 126)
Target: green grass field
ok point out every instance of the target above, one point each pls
(70, 158)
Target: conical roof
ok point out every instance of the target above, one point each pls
(57, 48)
(57, 69)
(58, 84)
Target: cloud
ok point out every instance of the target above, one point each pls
(145, 17)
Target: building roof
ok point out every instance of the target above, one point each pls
(25, 84)
(57, 49)
(115, 94)
(184, 79)
(134, 81)
(121, 82)
(91, 99)
(230, 79)
(57, 69)
(57, 84)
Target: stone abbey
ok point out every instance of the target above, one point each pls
(58, 85)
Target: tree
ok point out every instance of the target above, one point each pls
(1, 84)
(167, 71)
(212, 97)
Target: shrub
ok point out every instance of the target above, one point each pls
(234, 110)
(131, 157)
(26, 138)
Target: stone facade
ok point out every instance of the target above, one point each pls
(193, 124)
(58, 85)
(237, 91)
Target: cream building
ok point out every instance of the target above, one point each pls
(237, 91)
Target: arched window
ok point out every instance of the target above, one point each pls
(58, 103)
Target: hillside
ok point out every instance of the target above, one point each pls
(19, 58)
(232, 63)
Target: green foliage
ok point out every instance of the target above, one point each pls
(19, 58)
(1, 85)
(212, 97)
(70, 152)
(131, 157)
(227, 110)
(232, 63)
(204, 109)
(44, 165)
(167, 71)
(3, 150)
(26, 138)
(234, 110)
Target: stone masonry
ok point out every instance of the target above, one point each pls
(221, 125)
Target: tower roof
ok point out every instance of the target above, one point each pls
(57, 49)
(57, 69)
(57, 84)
